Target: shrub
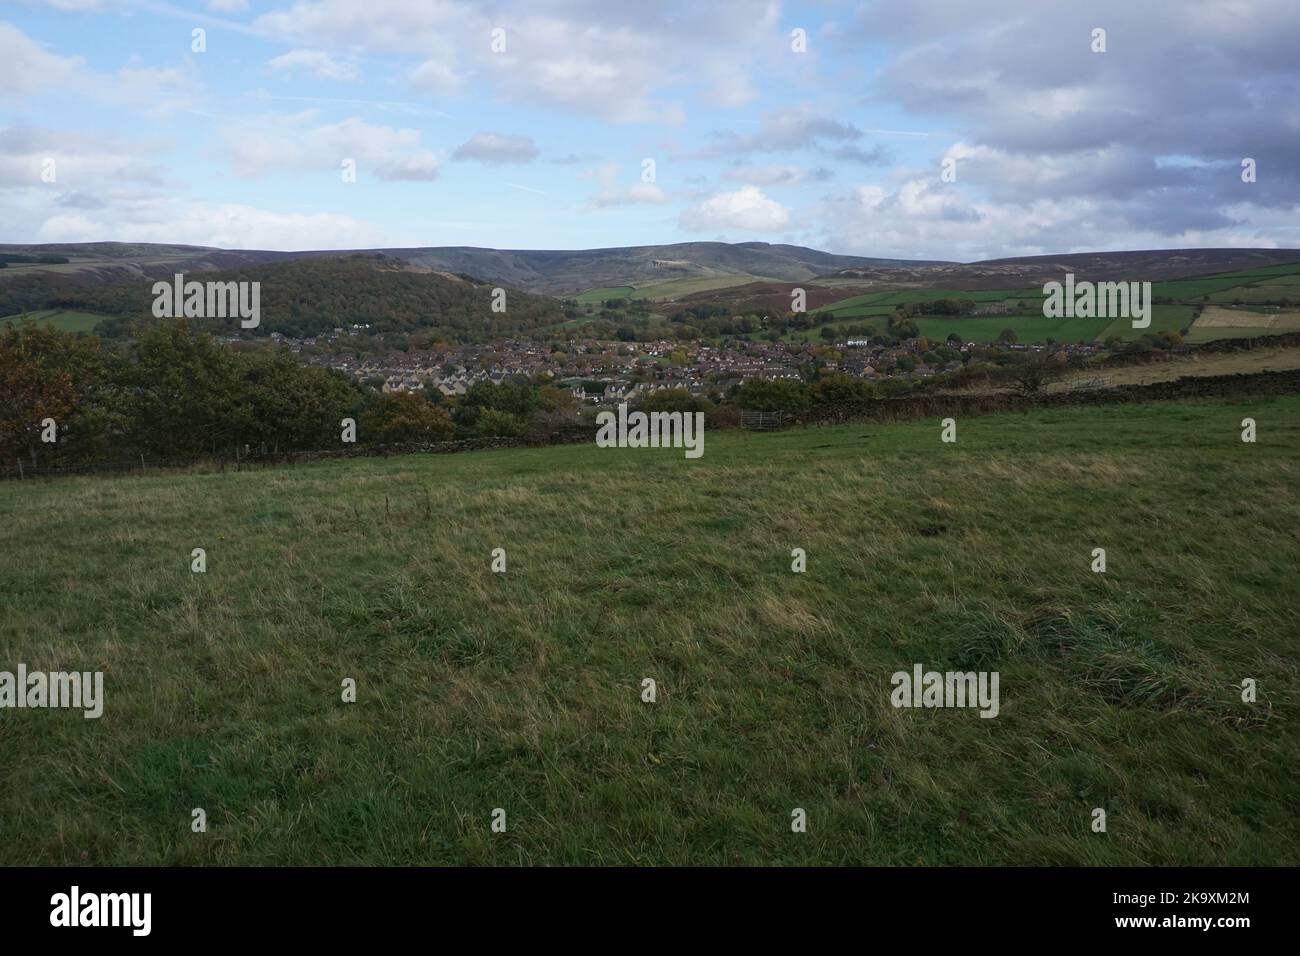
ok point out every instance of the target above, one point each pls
(782, 395)
(674, 400)
(834, 389)
(497, 424)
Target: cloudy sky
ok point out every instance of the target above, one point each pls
(587, 123)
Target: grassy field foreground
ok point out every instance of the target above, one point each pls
(523, 690)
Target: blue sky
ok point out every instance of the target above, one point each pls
(1056, 147)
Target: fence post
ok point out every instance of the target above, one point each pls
(142, 463)
(20, 470)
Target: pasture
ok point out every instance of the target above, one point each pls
(66, 320)
(523, 690)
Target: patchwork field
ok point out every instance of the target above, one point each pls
(676, 288)
(523, 690)
(68, 321)
(1217, 322)
(1251, 285)
(670, 289)
(1287, 287)
(907, 296)
(1192, 365)
(596, 296)
(1031, 327)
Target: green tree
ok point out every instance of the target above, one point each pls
(184, 393)
(296, 406)
(403, 417)
(901, 326)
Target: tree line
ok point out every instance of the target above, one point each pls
(173, 392)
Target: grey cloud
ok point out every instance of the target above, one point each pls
(79, 200)
(788, 129)
(496, 148)
(875, 156)
(1147, 137)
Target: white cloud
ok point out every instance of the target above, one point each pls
(25, 67)
(284, 143)
(632, 195)
(227, 6)
(158, 91)
(377, 26)
(81, 160)
(612, 61)
(317, 62)
(75, 6)
(745, 210)
(614, 193)
(228, 225)
(436, 77)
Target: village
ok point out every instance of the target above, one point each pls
(614, 371)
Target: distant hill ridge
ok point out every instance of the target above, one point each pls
(314, 295)
(550, 271)
(566, 272)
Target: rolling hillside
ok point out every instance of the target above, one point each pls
(1249, 292)
(523, 690)
(569, 272)
(314, 295)
(1249, 303)
(555, 272)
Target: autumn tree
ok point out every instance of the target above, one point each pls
(44, 374)
(403, 417)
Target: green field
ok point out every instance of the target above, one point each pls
(1029, 328)
(1199, 335)
(1164, 318)
(597, 296)
(676, 288)
(670, 289)
(853, 305)
(1251, 285)
(1227, 286)
(59, 318)
(522, 690)
(1263, 290)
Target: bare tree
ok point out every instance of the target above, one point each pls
(1034, 370)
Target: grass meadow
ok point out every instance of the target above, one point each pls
(522, 690)
(63, 319)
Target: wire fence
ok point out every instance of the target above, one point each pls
(22, 470)
(27, 469)
(755, 420)
(1203, 387)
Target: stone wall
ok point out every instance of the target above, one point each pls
(938, 406)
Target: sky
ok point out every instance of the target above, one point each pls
(922, 129)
